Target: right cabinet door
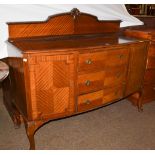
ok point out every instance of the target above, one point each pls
(136, 68)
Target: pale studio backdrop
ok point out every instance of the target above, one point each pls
(29, 12)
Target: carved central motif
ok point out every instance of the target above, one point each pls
(75, 12)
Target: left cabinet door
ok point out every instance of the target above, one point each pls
(50, 86)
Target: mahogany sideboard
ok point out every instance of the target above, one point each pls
(71, 63)
(148, 93)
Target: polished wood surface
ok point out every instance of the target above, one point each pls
(67, 75)
(74, 22)
(149, 82)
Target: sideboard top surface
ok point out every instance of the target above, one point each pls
(47, 43)
(66, 31)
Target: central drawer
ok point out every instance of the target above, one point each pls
(90, 82)
(90, 62)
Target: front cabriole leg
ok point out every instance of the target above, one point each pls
(30, 131)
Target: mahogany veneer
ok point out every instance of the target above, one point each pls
(71, 63)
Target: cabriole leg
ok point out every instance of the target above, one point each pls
(30, 130)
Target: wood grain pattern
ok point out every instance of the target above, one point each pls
(52, 86)
(90, 82)
(117, 57)
(89, 101)
(136, 68)
(113, 93)
(63, 24)
(115, 76)
(60, 55)
(89, 62)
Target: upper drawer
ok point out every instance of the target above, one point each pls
(92, 62)
(117, 57)
(90, 82)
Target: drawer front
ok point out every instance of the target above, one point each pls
(149, 92)
(117, 57)
(92, 62)
(150, 76)
(90, 82)
(90, 101)
(115, 76)
(151, 62)
(111, 94)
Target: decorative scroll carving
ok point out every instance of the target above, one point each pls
(75, 13)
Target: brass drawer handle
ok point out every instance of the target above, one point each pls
(87, 83)
(87, 102)
(89, 61)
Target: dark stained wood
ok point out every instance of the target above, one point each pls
(69, 69)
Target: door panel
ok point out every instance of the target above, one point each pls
(52, 86)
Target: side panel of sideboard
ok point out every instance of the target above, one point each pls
(136, 69)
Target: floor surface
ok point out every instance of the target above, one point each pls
(117, 126)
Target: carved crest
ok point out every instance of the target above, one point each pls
(75, 13)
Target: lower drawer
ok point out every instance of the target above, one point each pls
(90, 101)
(95, 99)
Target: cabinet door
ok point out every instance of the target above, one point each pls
(51, 85)
(137, 65)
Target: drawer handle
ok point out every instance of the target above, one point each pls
(120, 56)
(87, 83)
(87, 102)
(89, 61)
(153, 88)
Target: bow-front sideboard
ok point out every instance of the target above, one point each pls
(71, 63)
